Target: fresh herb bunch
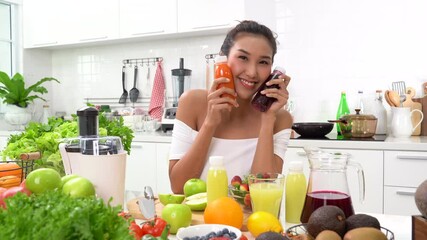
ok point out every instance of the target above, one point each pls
(45, 138)
(53, 215)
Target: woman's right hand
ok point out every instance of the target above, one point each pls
(218, 105)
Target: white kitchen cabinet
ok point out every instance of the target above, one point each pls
(148, 165)
(162, 161)
(41, 24)
(372, 164)
(93, 20)
(404, 171)
(195, 15)
(147, 17)
(141, 167)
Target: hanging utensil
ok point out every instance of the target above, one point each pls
(134, 92)
(400, 88)
(125, 93)
(148, 83)
(146, 203)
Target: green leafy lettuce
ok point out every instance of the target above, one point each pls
(45, 138)
(53, 215)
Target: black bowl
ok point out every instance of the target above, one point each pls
(312, 129)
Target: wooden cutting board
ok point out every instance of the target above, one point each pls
(423, 102)
(197, 218)
(416, 117)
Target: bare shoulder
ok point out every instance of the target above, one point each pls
(284, 120)
(191, 106)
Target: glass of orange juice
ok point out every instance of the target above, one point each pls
(266, 191)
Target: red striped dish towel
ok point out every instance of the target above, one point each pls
(157, 94)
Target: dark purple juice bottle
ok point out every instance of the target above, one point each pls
(261, 101)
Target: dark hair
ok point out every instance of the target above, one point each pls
(248, 26)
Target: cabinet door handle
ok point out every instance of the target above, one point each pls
(301, 154)
(46, 43)
(412, 157)
(405, 193)
(211, 26)
(146, 33)
(136, 145)
(94, 38)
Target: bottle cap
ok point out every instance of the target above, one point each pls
(220, 58)
(216, 160)
(296, 166)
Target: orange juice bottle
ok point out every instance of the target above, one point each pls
(217, 180)
(223, 70)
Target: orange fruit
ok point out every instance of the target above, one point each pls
(224, 210)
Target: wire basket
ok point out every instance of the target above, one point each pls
(18, 169)
(293, 232)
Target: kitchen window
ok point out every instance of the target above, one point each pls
(9, 44)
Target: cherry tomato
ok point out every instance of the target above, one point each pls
(154, 227)
(136, 231)
(243, 237)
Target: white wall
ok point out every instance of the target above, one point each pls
(326, 46)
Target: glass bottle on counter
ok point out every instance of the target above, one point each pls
(261, 101)
(380, 112)
(46, 114)
(359, 104)
(217, 180)
(342, 110)
(296, 188)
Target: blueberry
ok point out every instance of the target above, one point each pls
(225, 230)
(233, 235)
(227, 235)
(187, 238)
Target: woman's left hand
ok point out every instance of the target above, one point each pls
(281, 93)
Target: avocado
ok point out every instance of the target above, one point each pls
(421, 198)
(328, 235)
(270, 236)
(365, 233)
(361, 220)
(327, 217)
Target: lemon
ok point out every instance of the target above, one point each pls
(197, 202)
(165, 199)
(259, 222)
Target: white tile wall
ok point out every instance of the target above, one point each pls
(326, 46)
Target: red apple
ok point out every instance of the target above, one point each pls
(236, 181)
(244, 187)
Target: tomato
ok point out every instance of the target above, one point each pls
(154, 227)
(11, 192)
(136, 231)
(243, 237)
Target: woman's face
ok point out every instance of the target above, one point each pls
(250, 59)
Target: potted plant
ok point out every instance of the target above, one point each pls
(17, 97)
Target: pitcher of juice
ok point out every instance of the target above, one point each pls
(327, 183)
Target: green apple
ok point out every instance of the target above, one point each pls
(197, 202)
(67, 178)
(79, 187)
(43, 179)
(194, 186)
(177, 216)
(166, 198)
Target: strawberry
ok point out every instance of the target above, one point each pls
(244, 187)
(236, 181)
(247, 201)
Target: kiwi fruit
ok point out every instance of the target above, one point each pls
(361, 220)
(365, 233)
(270, 236)
(327, 217)
(328, 235)
(421, 198)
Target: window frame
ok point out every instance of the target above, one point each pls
(15, 40)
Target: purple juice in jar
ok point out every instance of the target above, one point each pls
(261, 101)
